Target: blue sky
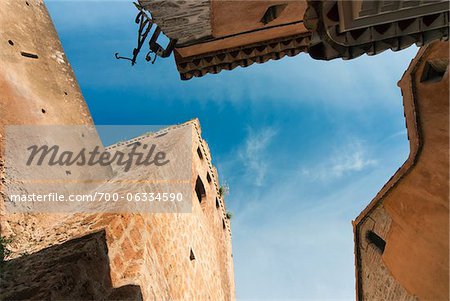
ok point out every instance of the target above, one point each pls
(304, 145)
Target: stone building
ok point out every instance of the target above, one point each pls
(211, 36)
(147, 254)
(402, 237)
(114, 256)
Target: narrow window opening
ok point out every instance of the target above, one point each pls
(43, 111)
(208, 178)
(217, 203)
(434, 70)
(192, 255)
(10, 42)
(29, 55)
(272, 13)
(199, 153)
(376, 240)
(200, 190)
(223, 224)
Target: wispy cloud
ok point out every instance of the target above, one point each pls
(354, 160)
(289, 81)
(403, 133)
(349, 158)
(292, 236)
(294, 239)
(253, 153)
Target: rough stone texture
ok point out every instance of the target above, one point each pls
(146, 251)
(153, 250)
(411, 212)
(184, 21)
(75, 270)
(34, 91)
(376, 280)
(30, 85)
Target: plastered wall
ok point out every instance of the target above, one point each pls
(411, 212)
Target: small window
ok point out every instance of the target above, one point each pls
(199, 153)
(223, 224)
(208, 178)
(217, 203)
(29, 55)
(376, 240)
(200, 190)
(434, 70)
(192, 255)
(272, 13)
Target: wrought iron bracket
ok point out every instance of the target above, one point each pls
(145, 25)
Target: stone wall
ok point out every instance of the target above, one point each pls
(75, 270)
(136, 255)
(153, 250)
(376, 281)
(36, 80)
(408, 258)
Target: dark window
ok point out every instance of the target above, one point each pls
(223, 224)
(199, 153)
(200, 190)
(434, 70)
(376, 240)
(272, 13)
(217, 203)
(208, 178)
(29, 55)
(192, 255)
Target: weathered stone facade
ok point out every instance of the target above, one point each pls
(132, 256)
(376, 281)
(74, 270)
(402, 237)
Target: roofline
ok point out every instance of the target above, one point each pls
(206, 153)
(273, 49)
(412, 116)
